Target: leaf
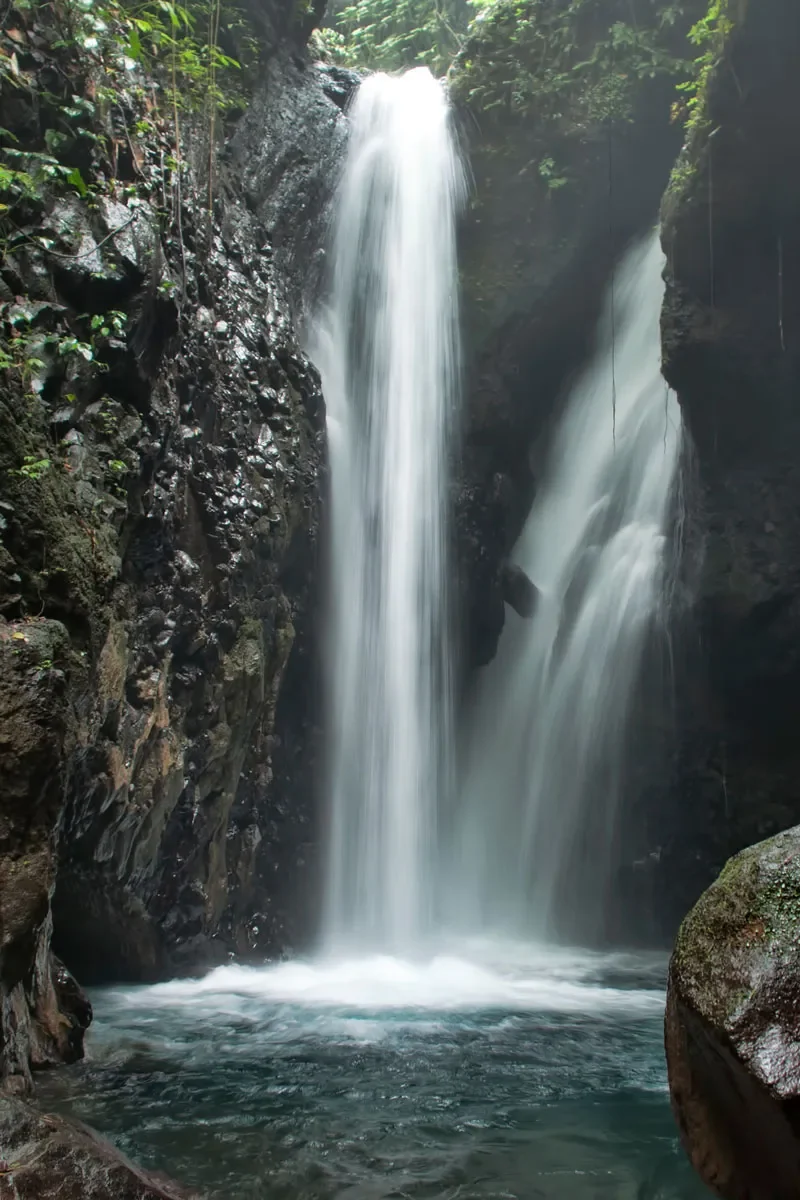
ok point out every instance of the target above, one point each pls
(78, 181)
(55, 140)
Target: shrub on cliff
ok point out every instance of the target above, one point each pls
(574, 64)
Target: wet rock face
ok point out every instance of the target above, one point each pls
(159, 514)
(167, 795)
(732, 1027)
(731, 338)
(43, 1013)
(45, 1156)
(289, 149)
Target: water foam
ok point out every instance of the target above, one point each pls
(529, 979)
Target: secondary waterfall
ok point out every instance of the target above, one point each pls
(547, 739)
(387, 350)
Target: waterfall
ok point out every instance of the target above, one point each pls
(547, 738)
(387, 351)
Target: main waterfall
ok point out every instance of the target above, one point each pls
(387, 350)
(527, 849)
(547, 740)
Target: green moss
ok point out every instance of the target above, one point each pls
(777, 905)
(751, 913)
(68, 557)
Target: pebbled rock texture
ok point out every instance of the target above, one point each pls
(732, 1026)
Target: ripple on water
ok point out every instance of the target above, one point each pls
(492, 1070)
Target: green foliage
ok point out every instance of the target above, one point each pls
(118, 34)
(32, 467)
(103, 325)
(186, 44)
(34, 173)
(709, 35)
(111, 63)
(550, 173)
(572, 62)
(388, 35)
(22, 344)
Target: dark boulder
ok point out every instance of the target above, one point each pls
(733, 1026)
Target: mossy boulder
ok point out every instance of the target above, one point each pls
(733, 1026)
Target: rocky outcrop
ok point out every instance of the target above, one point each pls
(731, 336)
(44, 1013)
(518, 591)
(162, 455)
(732, 1030)
(46, 1156)
(289, 149)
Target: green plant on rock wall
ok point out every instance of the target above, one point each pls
(709, 35)
(389, 35)
(549, 172)
(574, 63)
(32, 467)
(99, 47)
(186, 35)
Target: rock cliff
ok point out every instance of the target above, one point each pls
(731, 336)
(162, 453)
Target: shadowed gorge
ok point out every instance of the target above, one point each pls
(398, 591)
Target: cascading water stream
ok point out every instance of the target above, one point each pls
(399, 1062)
(388, 358)
(547, 737)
